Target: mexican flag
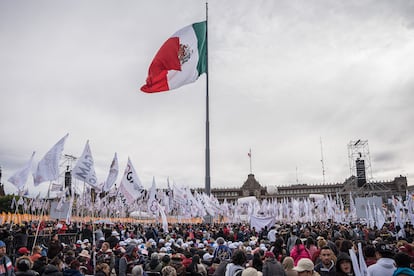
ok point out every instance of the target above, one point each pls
(180, 60)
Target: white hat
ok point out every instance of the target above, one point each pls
(114, 233)
(123, 243)
(85, 254)
(85, 241)
(102, 238)
(200, 245)
(207, 257)
(304, 264)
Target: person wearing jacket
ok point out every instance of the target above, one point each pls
(299, 251)
(271, 266)
(403, 261)
(74, 269)
(6, 266)
(128, 260)
(385, 261)
(24, 267)
(327, 265)
(344, 265)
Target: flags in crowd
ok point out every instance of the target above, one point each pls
(112, 176)
(180, 60)
(131, 186)
(48, 167)
(84, 169)
(20, 177)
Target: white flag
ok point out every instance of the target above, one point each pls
(84, 169)
(113, 174)
(48, 167)
(153, 206)
(131, 186)
(20, 177)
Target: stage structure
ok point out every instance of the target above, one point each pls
(360, 165)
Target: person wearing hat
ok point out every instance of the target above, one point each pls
(385, 261)
(344, 265)
(6, 266)
(250, 271)
(271, 266)
(305, 267)
(85, 261)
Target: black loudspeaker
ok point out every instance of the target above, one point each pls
(360, 172)
(68, 182)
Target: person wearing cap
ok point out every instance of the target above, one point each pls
(23, 251)
(6, 266)
(305, 267)
(327, 265)
(385, 261)
(344, 265)
(271, 266)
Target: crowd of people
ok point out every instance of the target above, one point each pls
(226, 249)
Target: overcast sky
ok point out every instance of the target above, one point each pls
(282, 75)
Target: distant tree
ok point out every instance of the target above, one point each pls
(5, 203)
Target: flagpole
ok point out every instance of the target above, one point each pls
(207, 180)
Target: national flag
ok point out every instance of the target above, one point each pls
(48, 167)
(131, 186)
(84, 169)
(180, 60)
(113, 174)
(20, 177)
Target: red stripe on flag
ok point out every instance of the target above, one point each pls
(166, 59)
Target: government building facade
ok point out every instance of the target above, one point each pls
(251, 187)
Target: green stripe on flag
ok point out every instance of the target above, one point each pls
(200, 30)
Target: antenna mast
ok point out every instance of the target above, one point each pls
(322, 162)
